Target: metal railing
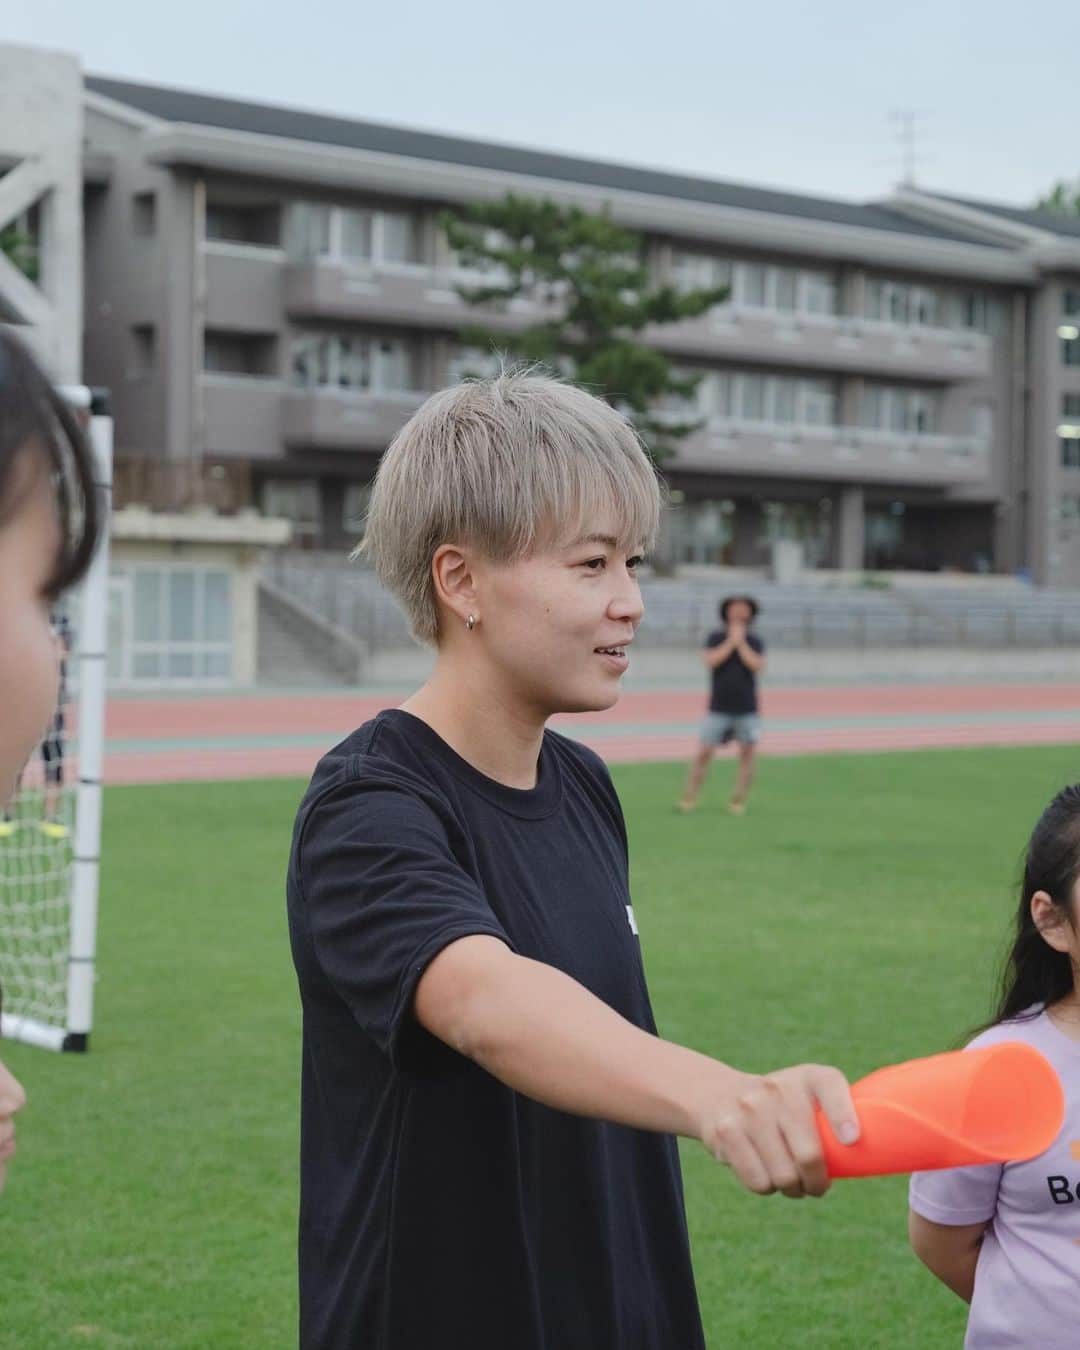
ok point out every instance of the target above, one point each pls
(178, 485)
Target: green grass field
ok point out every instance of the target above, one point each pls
(856, 916)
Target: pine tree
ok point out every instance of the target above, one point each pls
(592, 283)
(1063, 199)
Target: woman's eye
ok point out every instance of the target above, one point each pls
(596, 564)
(635, 562)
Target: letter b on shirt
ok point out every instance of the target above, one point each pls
(1060, 1190)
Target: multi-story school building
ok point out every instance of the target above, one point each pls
(267, 295)
(895, 384)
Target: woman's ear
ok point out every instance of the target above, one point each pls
(453, 576)
(1048, 919)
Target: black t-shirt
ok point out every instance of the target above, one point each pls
(734, 685)
(438, 1207)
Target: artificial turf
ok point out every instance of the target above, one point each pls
(855, 916)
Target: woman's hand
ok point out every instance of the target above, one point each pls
(769, 1137)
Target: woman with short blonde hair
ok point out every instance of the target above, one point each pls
(488, 1113)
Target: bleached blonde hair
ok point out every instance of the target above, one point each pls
(508, 465)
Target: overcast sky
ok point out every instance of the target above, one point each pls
(787, 94)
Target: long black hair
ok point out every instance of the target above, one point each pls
(34, 418)
(1036, 976)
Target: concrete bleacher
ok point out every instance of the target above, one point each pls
(1029, 617)
(822, 611)
(681, 611)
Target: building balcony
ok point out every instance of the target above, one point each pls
(830, 453)
(414, 293)
(241, 416)
(341, 419)
(243, 287)
(403, 293)
(829, 341)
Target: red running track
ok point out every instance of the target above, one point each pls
(179, 734)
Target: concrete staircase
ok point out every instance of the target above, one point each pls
(300, 649)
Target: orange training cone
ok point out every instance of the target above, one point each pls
(1001, 1103)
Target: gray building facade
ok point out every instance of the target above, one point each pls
(269, 296)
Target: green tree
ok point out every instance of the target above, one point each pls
(1063, 199)
(19, 247)
(592, 283)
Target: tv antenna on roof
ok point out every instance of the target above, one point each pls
(907, 132)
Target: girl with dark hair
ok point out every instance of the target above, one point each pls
(49, 521)
(1006, 1238)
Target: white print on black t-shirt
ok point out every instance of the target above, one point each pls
(631, 920)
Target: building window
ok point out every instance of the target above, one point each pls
(144, 213)
(973, 311)
(785, 286)
(753, 285)
(898, 409)
(294, 499)
(982, 422)
(354, 362)
(818, 294)
(143, 350)
(182, 623)
(710, 400)
(702, 532)
(393, 365)
(924, 307)
(356, 235)
(256, 226)
(1069, 431)
(751, 400)
(1070, 303)
(307, 236)
(226, 353)
(1070, 509)
(698, 271)
(354, 508)
(1069, 333)
(785, 290)
(818, 403)
(396, 237)
(783, 400)
(472, 363)
(902, 304)
(352, 235)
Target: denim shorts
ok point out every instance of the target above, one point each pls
(719, 728)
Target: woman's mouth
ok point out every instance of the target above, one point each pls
(615, 657)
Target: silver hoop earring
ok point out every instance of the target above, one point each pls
(470, 622)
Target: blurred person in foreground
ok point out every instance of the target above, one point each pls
(49, 523)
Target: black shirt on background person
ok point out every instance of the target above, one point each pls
(734, 685)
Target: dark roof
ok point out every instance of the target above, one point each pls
(1050, 221)
(176, 105)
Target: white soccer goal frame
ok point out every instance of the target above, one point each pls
(91, 659)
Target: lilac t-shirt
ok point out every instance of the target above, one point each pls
(1027, 1281)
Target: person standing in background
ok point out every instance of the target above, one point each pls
(736, 657)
